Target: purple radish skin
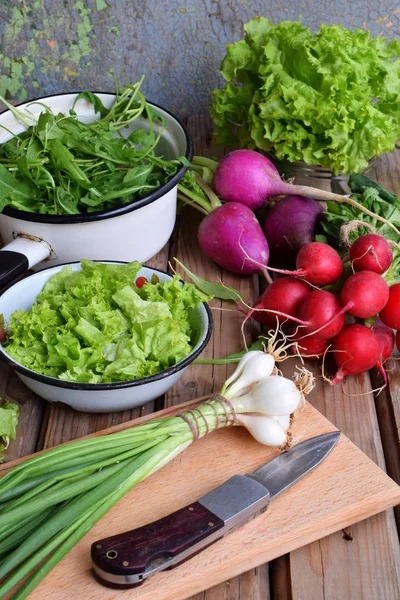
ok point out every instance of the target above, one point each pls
(232, 237)
(289, 225)
(248, 177)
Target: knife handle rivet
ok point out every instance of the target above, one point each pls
(191, 508)
(98, 546)
(211, 524)
(111, 554)
(125, 563)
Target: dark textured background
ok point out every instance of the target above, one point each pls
(49, 46)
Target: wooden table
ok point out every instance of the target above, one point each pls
(362, 562)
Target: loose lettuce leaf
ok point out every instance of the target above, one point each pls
(9, 413)
(95, 326)
(330, 98)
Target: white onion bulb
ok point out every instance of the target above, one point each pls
(265, 430)
(274, 396)
(258, 366)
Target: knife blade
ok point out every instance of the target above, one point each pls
(126, 560)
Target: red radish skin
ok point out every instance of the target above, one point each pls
(232, 237)
(364, 294)
(321, 310)
(356, 350)
(317, 263)
(386, 339)
(282, 295)
(390, 314)
(309, 347)
(398, 340)
(371, 252)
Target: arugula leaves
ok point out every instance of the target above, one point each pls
(61, 165)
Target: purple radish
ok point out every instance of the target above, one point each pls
(289, 225)
(232, 237)
(248, 177)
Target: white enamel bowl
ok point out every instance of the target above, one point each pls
(134, 231)
(108, 397)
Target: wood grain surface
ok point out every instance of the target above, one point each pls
(362, 562)
(345, 488)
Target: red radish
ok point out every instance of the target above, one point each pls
(140, 282)
(364, 294)
(309, 347)
(371, 252)
(248, 177)
(282, 295)
(232, 237)
(398, 340)
(317, 263)
(390, 314)
(385, 337)
(318, 309)
(356, 349)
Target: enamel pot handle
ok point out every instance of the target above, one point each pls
(20, 255)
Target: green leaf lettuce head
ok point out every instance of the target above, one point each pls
(96, 326)
(330, 98)
(9, 413)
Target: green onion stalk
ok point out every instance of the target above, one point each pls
(50, 501)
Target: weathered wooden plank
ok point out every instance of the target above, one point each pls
(387, 403)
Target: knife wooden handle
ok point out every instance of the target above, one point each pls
(121, 560)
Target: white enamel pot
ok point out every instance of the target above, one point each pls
(93, 397)
(135, 231)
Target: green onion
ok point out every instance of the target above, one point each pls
(49, 502)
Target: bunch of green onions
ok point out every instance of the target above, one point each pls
(49, 502)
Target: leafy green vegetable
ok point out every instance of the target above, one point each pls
(376, 199)
(259, 344)
(96, 326)
(330, 98)
(9, 413)
(216, 290)
(61, 165)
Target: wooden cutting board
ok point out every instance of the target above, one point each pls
(346, 488)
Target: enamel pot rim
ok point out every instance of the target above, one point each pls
(115, 212)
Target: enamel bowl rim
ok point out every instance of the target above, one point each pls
(114, 212)
(71, 385)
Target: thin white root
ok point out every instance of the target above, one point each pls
(305, 381)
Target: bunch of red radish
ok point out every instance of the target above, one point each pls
(317, 316)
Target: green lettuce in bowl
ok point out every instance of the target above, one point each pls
(96, 326)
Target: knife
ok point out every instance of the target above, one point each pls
(127, 559)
